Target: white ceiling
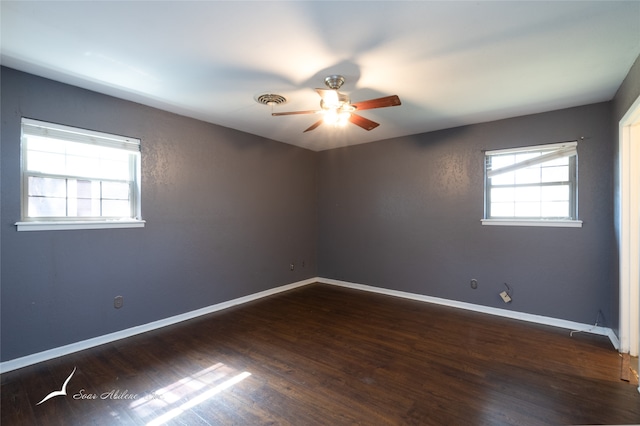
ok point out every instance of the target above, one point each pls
(451, 63)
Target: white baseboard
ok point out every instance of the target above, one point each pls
(613, 338)
(25, 361)
(538, 319)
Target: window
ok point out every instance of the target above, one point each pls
(535, 186)
(78, 179)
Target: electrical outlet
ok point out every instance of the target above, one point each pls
(292, 267)
(118, 302)
(505, 296)
(474, 284)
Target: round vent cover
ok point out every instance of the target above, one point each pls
(271, 99)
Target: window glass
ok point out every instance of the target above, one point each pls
(532, 183)
(74, 173)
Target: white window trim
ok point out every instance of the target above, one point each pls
(86, 136)
(67, 133)
(70, 225)
(533, 222)
(564, 149)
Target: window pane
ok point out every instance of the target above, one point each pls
(555, 193)
(88, 175)
(115, 169)
(45, 162)
(84, 198)
(502, 209)
(500, 161)
(524, 156)
(558, 209)
(47, 207)
(502, 194)
(39, 143)
(563, 161)
(503, 179)
(528, 193)
(78, 149)
(85, 207)
(555, 174)
(47, 187)
(82, 166)
(528, 175)
(76, 159)
(528, 209)
(115, 208)
(115, 190)
(78, 198)
(85, 189)
(537, 191)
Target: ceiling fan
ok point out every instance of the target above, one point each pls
(337, 108)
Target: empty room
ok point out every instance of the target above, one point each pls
(319, 212)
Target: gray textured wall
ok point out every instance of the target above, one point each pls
(226, 213)
(627, 93)
(405, 214)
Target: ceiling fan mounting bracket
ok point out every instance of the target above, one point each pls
(334, 82)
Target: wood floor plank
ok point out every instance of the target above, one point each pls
(320, 355)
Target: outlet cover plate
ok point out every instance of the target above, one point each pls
(118, 302)
(505, 296)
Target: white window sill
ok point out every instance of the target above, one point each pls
(531, 222)
(86, 224)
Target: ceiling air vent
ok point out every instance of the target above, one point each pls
(271, 99)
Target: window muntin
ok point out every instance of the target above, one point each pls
(71, 174)
(534, 183)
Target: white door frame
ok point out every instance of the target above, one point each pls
(629, 231)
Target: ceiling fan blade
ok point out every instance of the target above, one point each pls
(387, 101)
(295, 112)
(313, 126)
(365, 123)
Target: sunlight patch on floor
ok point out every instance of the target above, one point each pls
(171, 401)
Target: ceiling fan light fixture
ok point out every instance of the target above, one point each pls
(336, 118)
(343, 118)
(337, 110)
(329, 104)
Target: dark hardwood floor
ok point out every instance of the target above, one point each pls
(325, 355)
